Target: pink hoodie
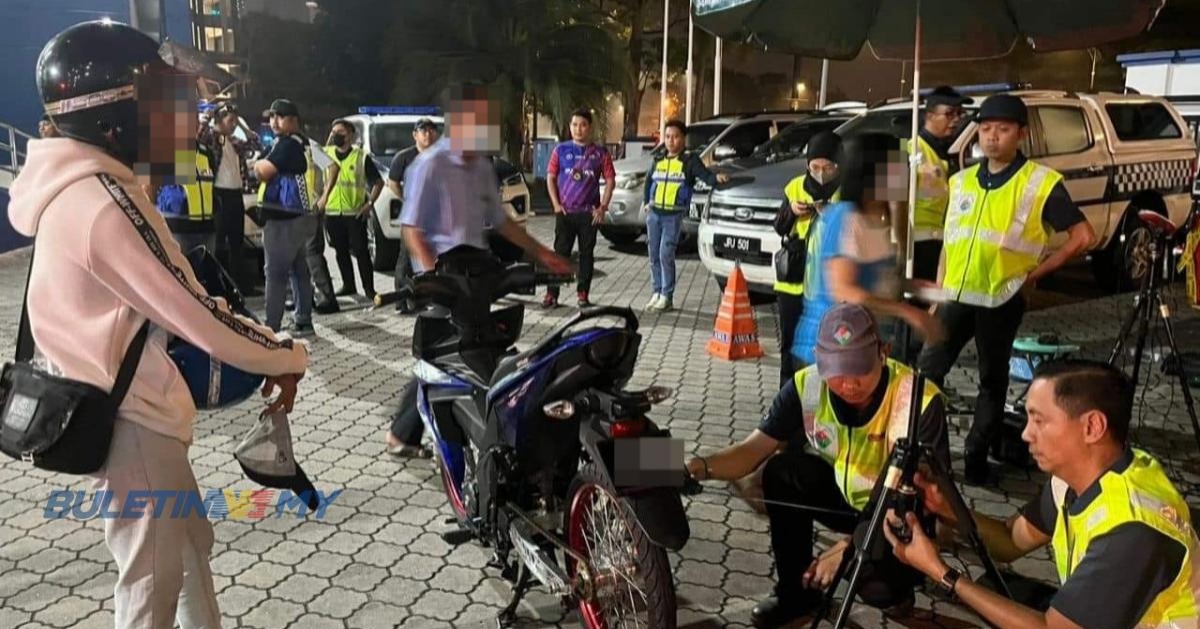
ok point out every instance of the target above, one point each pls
(102, 267)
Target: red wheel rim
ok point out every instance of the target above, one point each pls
(599, 530)
(591, 614)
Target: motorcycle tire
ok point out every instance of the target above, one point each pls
(651, 566)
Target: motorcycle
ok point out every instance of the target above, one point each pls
(543, 455)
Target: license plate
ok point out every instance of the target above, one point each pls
(737, 245)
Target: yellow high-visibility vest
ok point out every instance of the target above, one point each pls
(933, 194)
(1141, 493)
(794, 193)
(995, 238)
(668, 179)
(349, 191)
(858, 455)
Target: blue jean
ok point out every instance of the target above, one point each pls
(663, 238)
(284, 246)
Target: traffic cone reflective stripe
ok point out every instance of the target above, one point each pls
(735, 334)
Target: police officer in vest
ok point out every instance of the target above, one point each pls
(1121, 535)
(943, 111)
(353, 184)
(825, 441)
(802, 196)
(188, 208)
(667, 197)
(1001, 214)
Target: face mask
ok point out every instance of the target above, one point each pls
(338, 139)
(821, 177)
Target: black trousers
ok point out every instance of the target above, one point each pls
(802, 478)
(317, 267)
(229, 216)
(926, 256)
(404, 269)
(406, 423)
(348, 234)
(568, 228)
(789, 308)
(994, 330)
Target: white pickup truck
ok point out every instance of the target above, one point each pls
(1118, 154)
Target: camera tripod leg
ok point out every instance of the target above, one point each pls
(966, 523)
(827, 596)
(1189, 402)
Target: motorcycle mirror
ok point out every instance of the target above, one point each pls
(561, 409)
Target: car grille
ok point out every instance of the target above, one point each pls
(758, 259)
(744, 212)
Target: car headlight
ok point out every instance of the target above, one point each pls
(630, 181)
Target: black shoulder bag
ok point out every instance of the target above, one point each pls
(58, 424)
(793, 251)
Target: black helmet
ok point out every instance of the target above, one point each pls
(87, 76)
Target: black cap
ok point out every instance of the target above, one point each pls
(946, 95)
(282, 107)
(824, 145)
(1004, 107)
(426, 123)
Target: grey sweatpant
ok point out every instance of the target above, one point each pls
(163, 574)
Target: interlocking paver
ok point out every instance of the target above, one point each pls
(376, 559)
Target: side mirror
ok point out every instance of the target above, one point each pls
(723, 152)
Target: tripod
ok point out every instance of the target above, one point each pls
(1146, 304)
(895, 489)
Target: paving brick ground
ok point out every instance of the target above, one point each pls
(376, 560)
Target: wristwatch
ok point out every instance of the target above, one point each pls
(949, 580)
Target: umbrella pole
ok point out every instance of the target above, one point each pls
(913, 152)
(662, 92)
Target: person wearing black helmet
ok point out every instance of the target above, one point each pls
(999, 220)
(105, 266)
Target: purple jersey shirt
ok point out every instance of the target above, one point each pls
(577, 170)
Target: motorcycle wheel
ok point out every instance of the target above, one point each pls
(631, 576)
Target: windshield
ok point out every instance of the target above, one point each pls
(894, 122)
(699, 136)
(389, 138)
(791, 141)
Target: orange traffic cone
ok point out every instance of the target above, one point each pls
(735, 334)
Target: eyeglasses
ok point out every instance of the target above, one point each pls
(825, 170)
(952, 114)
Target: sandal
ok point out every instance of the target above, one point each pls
(406, 451)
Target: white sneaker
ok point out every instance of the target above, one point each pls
(653, 303)
(665, 304)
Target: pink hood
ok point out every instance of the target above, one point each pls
(104, 263)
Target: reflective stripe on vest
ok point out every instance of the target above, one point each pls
(349, 192)
(933, 174)
(1142, 493)
(995, 238)
(858, 455)
(668, 179)
(794, 192)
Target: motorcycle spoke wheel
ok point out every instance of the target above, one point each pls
(631, 579)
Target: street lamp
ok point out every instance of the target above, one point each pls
(801, 88)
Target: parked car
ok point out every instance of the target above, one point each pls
(787, 145)
(1118, 153)
(714, 139)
